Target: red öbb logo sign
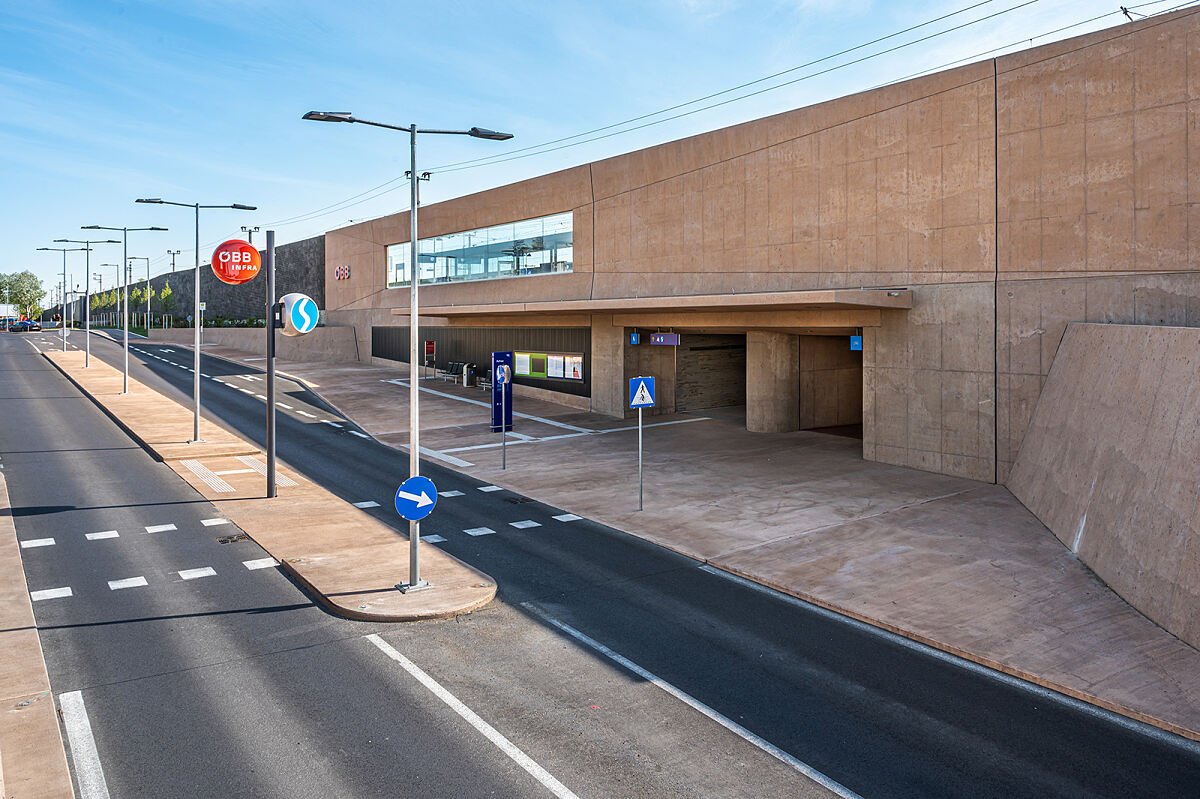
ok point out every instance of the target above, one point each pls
(236, 262)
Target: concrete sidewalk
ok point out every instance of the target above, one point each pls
(347, 559)
(956, 564)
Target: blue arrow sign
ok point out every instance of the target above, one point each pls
(416, 498)
(641, 392)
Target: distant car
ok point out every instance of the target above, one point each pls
(24, 326)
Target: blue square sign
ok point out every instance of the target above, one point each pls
(641, 392)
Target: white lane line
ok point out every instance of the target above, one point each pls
(259, 563)
(128, 582)
(306, 413)
(244, 377)
(442, 456)
(432, 539)
(88, 772)
(566, 517)
(285, 406)
(488, 731)
(480, 531)
(331, 423)
(360, 435)
(49, 593)
(194, 574)
(525, 525)
(450, 493)
(30, 543)
(490, 488)
(160, 528)
(245, 391)
(737, 729)
(253, 359)
(551, 422)
(261, 397)
(204, 375)
(370, 503)
(99, 536)
(235, 471)
(214, 522)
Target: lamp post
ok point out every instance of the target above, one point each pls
(64, 251)
(249, 231)
(125, 293)
(147, 260)
(196, 300)
(414, 427)
(173, 253)
(87, 312)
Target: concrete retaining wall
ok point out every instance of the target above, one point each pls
(334, 344)
(1109, 463)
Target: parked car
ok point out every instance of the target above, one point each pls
(24, 326)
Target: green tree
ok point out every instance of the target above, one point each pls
(166, 298)
(24, 290)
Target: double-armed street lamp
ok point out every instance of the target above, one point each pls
(87, 315)
(64, 251)
(414, 449)
(125, 313)
(196, 300)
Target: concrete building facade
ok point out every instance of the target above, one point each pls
(957, 222)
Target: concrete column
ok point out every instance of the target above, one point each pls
(608, 367)
(772, 382)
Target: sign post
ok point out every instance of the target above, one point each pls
(271, 316)
(641, 395)
(502, 392)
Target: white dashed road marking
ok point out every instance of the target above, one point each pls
(98, 536)
(525, 525)
(30, 543)
(260, 563)
(49, 593)
(432, 539)
(480, 531)
(450, 493)
(192, 574)
(370, 503)
(567, 517)
(360, 435)
(128, 582)
(490, 488)
(306, 413)
(331, 424)
(285, 406)
(213, 522)
(160, 528)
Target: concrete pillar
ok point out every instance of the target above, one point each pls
(772, 382)
(608, 367)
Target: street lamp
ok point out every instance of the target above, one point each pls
(64, 251)
(173, 253)
(249, 231)
(414, 427)
(125, 313)
(147, 260)
(87, 313)
(196, 315)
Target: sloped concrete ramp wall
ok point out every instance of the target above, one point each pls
(334, 344)
(1111, 463)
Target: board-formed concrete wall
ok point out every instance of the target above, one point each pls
(1109, 463)
(334, 344)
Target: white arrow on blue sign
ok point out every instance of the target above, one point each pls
(416, 498)
(641, 392)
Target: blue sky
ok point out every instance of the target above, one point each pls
(200, 100)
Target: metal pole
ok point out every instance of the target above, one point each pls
(87, 308)
(414, 423)
(639, 458)
(64, 303)
(503, 426)
(196, 340)
(270, 363)
(125, 294)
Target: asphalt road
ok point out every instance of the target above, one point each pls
(235, 684)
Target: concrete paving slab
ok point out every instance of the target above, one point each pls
(346, 558)
(957, 564)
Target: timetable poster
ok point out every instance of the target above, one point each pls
(521, 366)
(555, 366)
(574, 367)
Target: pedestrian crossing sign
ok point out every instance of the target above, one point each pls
(641, 392)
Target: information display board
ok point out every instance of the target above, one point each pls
(550, 365)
